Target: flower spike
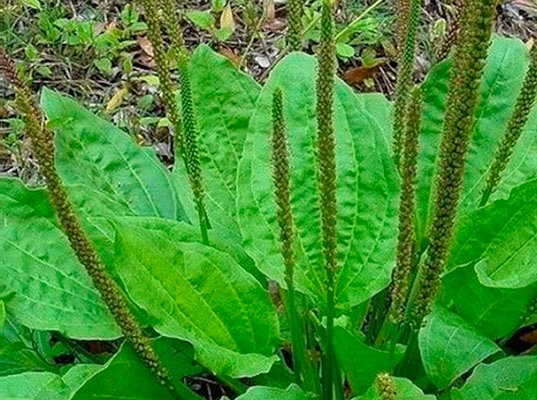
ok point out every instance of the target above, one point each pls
(407, 52)
(469, 61)
(523, 107)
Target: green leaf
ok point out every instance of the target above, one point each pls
(16, 358)
(380, 108)
(502, 80)
(47, 287)
(125, 376)
(224, 102)
(366, 181)
(35, 4)
(199, 294)
(404, 388)
(513, 378)
(360, 362)
(91, 152)
(293, 392)
(496, 313)
(203, 19)
(25, 386)
(449, 347)
(501, 239)
(345, 50)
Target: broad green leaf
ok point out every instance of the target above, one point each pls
(513, 378)
(502, 239)
(224, 100)
(64, 387)
(25, 386)
(94, 153)
(16, 357)
(47, 288)
(502, 80)
(449, 347)
(380, 108)
(404, 388)
(199, 294)
(125, 377)
(181, 232)
(203, 19)
(360, 362)
(495, 312)
(366, 181)
(293, 392)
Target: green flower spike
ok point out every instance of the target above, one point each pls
(450, 38)
(469, 61)
(405, 247)
(386, 387)
(402, 12)
(523, 107)
(404, 84)
(294, 12)
(167, 86)
(190, 128)
(326, 157)
(43, 146)
(282, 180)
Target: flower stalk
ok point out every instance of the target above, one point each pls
(294, 18)
(519, 118)
(469, 61)
(409, 23)
(386, 387)
(450, 38)
(326, 156)
(405, 247)
(186, 128)
(42, 143)
(281, 178)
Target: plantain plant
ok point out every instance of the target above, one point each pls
(329, 269)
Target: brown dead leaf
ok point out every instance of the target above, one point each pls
(147, 56)
(117, 99)
(146, 46)
(226, 18)
(357, 75)
(230, 55)
(270, 10)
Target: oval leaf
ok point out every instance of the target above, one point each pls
(49, 288)
(199, 294)
(449, 347)
(94, 153)
(366, 180)
(513, 378)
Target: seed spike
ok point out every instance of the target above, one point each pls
(386, 387)
(295, 24)
(523, 107)
(186, 128)
(469, 61)
(410, 17)
(326, 158)
(405, 247)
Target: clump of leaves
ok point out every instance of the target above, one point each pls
(303, 196)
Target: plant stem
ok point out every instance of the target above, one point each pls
(326, 156)
(466, 74)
